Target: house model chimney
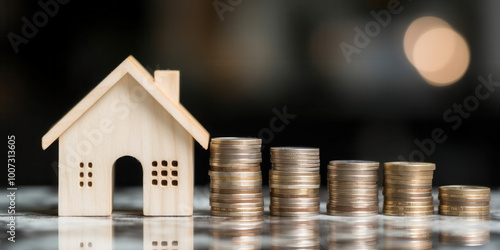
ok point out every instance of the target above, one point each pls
(168, 81)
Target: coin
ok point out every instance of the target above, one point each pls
(408, 213)
(464, 189)
(236, 140)
(464, 208)
(410, 166)
(464, 213)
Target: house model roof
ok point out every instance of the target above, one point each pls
(142, 76)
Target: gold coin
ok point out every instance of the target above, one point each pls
(353, 213)
(408, 213)
(351, 203)
(295, 191)
(464, 189)
(410, 166)
(294, 195)
(235, 175)
(236, 140)
(408, 182)
(484, 203)
(335, 186)
(298, 209)
(351, 208)
(398, 173)
(408, 208)
(235, 191)
(409, 203)
(464, 196)
(464, 213)
(464, 208)
(294, 214)
(351, 183)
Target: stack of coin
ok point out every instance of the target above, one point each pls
(236, 233)
(353, 233)
(461, 200)
(295, 233)
(408, 232)
(294, 181)
(464, 231)
(352, 188)
(408, 188)
(235, 177)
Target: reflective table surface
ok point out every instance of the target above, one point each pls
(38, 227)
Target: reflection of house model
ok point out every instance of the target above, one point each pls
(128, 114)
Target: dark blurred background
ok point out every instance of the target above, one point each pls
(240, 60)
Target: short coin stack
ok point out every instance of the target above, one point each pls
(408, 188)
(235, 177)
(294, 181)
(461, 200)
(352, 188)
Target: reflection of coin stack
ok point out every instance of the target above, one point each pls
(408, 188)
(458, 200)
(464, 231)
(408, 232)
(294, 233)
(294, 181)
(352, 188)
(353, 233)
(235, 177)
(236, 233)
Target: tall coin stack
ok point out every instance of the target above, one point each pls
(352, 188)
(461, 200)
(408, 188)
(294, 181)
(235, 177)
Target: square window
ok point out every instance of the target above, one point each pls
(164, 182)
(175, 183)
(154, 163)
(175, 243)
(175, 163)
(90, 164)
(164, 163)
(174, 173)
(155, 182)
(90, 174)
(81, 164)
(82, 175)
(90, 184)
(154, 173)
(154, 243)
(81, 184)
(164, 172)
(164, 243)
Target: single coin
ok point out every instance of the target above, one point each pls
(397, 173)
(410, 166)
(336, 186)
(407, 190)
(409, 208)
(354, 163)
(408, 182)
(236, 140)
(464, 189)
(464, 213)
(294, 195)
(294, 186)
(295, 191)
(293, 174)
(484, 203)
(351, 203)
(236, 196)
(464, 196)
(353, 172)
(295, 209)
(277, 199)
(464, 208)
(352, 208)
(237, 205)
(428, 198)
(235, 175)
(351, 183)
(232, 170)
(294, 214)
(407, 213)
(231, 201)
(294, 149)
(409, 203)
(235, 191)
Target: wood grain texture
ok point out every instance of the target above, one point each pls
(125, 122)
(133, 68)
(128, 114)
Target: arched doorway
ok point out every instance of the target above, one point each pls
(127, 185)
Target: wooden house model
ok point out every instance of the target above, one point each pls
(129, 113)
